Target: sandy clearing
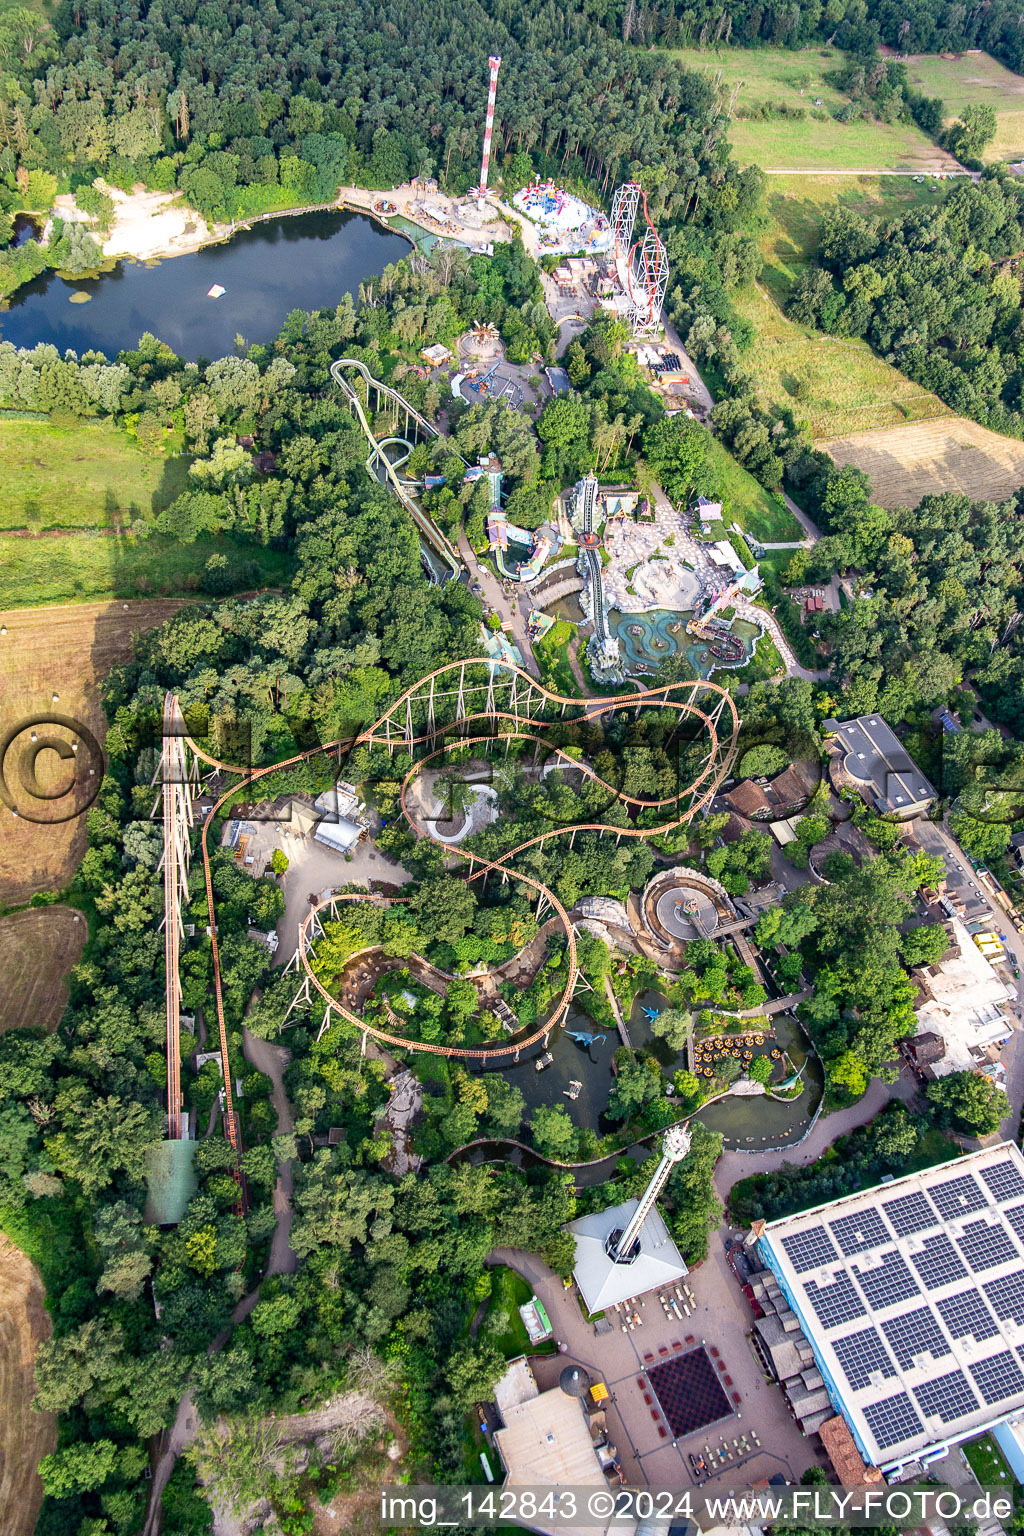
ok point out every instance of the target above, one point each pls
(147, 225)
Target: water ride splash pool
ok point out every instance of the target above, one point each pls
(648, 639)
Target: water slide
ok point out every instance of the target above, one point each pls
(593, 555)
(439, 554)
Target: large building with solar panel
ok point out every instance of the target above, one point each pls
(911, 1296)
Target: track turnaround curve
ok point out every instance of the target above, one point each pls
(499, 727)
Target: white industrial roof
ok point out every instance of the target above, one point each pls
(547, 1440)
(341, 834)
(604, 1284)
(911, 1295)
(875, 755)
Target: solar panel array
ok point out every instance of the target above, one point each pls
(1006, 1296)
(909, 1213)
(810, 1249)
(948, 1398)
(836, 1303)
(893, 1420)
(938, 1262)
(855, 1234)
(965, 1313)
(957, 1197)
(915, 1333)
(1004, 1180)
(998, 1377)
(984, 1246)
(862, 1355)
(910, 1287)
(889, 1283)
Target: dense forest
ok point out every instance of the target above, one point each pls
(232, 103)
(941, 593)
(936, 292)
(858, 26)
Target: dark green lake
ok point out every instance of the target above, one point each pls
(305, 261)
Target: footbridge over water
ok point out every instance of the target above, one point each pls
(388, 454)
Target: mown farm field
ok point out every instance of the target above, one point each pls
(67, 651)
(38, 947)
(906, 463)
(754, 77)
(966, 79)
(25, 1436)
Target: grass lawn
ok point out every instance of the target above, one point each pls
(765, 662)
(837, 384)
(746, 502)
(90, 565)
(985, 1460)
(750, 77)
(971, 78)
(552, 653)
(88, 474)
(509, 1292)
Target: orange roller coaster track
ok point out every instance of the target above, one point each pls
(395, 728)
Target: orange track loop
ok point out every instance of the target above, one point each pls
(656, 698)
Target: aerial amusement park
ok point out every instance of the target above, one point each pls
(636, 262)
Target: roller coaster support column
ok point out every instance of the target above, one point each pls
(178, 774)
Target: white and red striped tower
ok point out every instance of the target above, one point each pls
(495, 62)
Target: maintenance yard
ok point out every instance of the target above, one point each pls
(928, 458)
(38, 947)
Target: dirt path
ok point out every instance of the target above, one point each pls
(700, 392)
(271, 1060)
(24, 1434)
(974, 175)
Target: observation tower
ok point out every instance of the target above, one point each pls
(495, 64)
(627, 1250)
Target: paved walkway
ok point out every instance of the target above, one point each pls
(733, 1166)
(808, 524)
(756, 615)
(722, 1318)
(510, 609)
